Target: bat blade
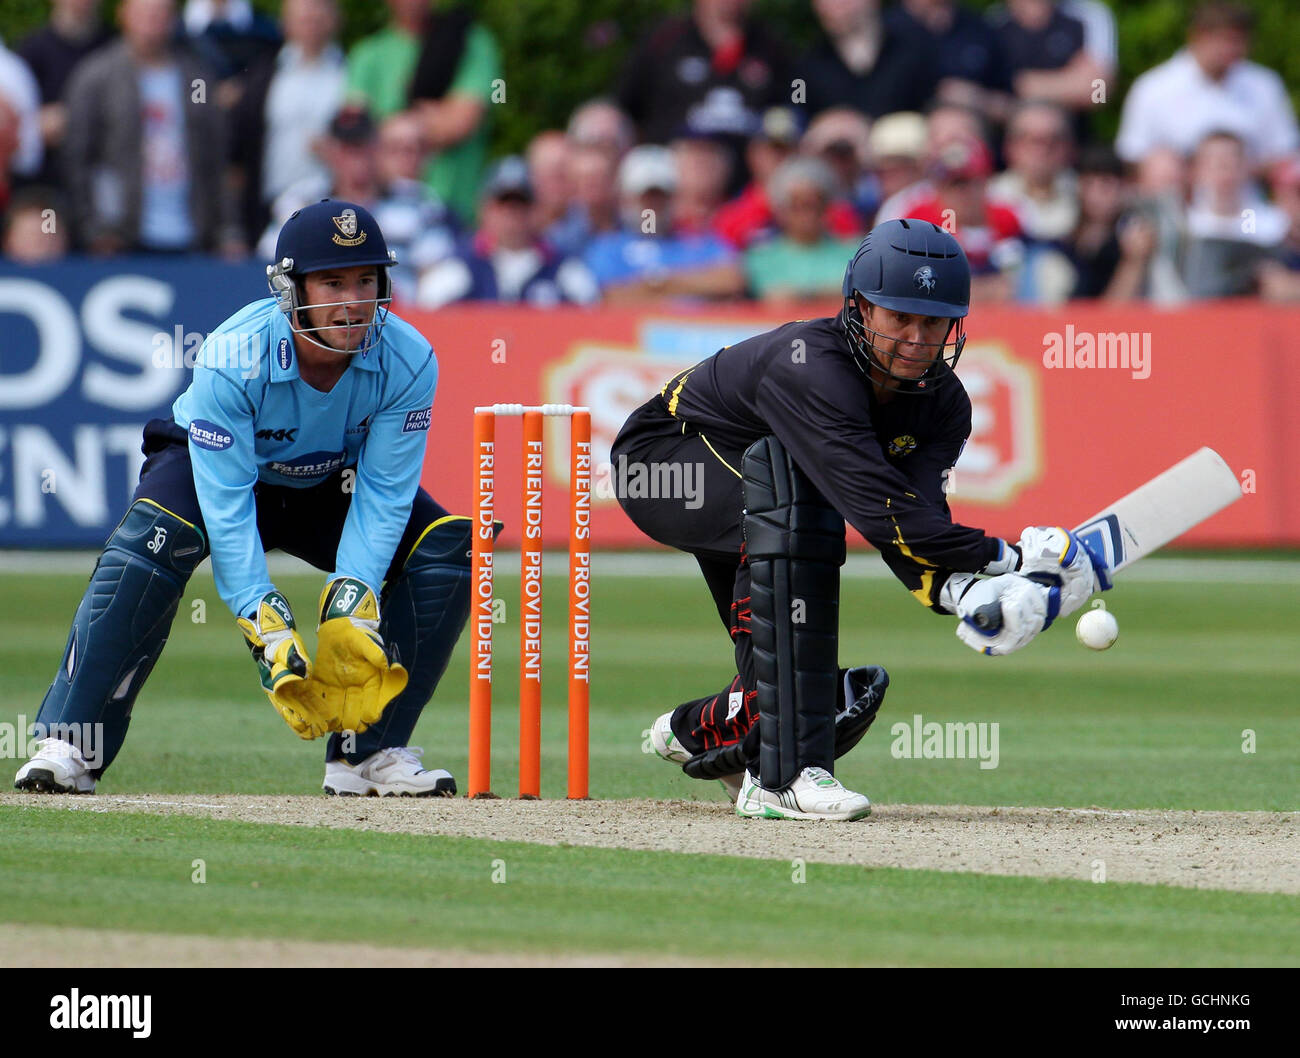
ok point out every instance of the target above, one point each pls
(1163, 509)
(1150, 516)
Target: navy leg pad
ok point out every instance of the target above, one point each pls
(794, 546)
(121, 626)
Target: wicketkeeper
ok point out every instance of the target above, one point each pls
(315, 449)
(855, 417)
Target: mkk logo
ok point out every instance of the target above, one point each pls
(276, 435)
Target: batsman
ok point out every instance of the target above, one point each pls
(313, 446)
(857, 417)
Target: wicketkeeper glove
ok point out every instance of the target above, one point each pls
(354, 674)
(282, 663)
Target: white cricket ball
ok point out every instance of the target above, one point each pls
(1097, 629)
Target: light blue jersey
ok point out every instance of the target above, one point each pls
(251, 418)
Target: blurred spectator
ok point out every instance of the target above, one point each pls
(1153, 234)
(709, 73)
(19, 89)
(287, 104)
(506, 261)
(703, 175)
(375, 171)
(646, 259)
(145, 159)
(1231, 230)
(897, 149)
(600, 123)
(1038, 183)
(858, 61)
(73, 32)
(1209, 85)
(840, 137)
(972, 67)
(749, 215)
(447, 66)
(1094, 247)
(748, 218)
(944, 124)
(548, 172)
(805, 259)
(989, 232)
(1100, 37)
(32, 233)
(1279, 280)
(231, 38)
(1047, 49)
(401, 152)
(592, 177)
(9, 137)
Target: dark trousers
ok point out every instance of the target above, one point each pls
(306, 523)
(707, 526)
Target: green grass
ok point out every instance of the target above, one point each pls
(280, 881)
(1156, 721)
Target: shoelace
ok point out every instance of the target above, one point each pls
(405, 754)
(816, 775)
(56, 747)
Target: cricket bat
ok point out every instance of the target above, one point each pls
(1151, 515)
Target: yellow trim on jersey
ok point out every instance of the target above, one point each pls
(921, 594)
(677, 393)
(720, 459)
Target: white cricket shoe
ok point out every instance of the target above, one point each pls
(665, 742)
(815, 794)
(57, 767)
(391, 772)
(667, 746)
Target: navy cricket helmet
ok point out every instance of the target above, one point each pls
(910, 266)
(326, 235)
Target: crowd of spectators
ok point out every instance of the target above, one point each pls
(719, 166)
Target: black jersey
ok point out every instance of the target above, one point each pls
(881, 465)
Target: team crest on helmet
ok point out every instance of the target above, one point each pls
(923, 277)
(346, 222)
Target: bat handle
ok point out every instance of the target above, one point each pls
(988, 618)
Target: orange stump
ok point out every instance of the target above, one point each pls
(579, 600)
(480, 682)
(530, 613)
(530, 599)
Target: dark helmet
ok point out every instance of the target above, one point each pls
(328, 234)
(908, 266)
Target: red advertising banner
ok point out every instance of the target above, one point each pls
(1072, 408)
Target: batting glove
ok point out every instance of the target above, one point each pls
(1057, 558)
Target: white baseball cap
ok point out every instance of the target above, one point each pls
(645, 168)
